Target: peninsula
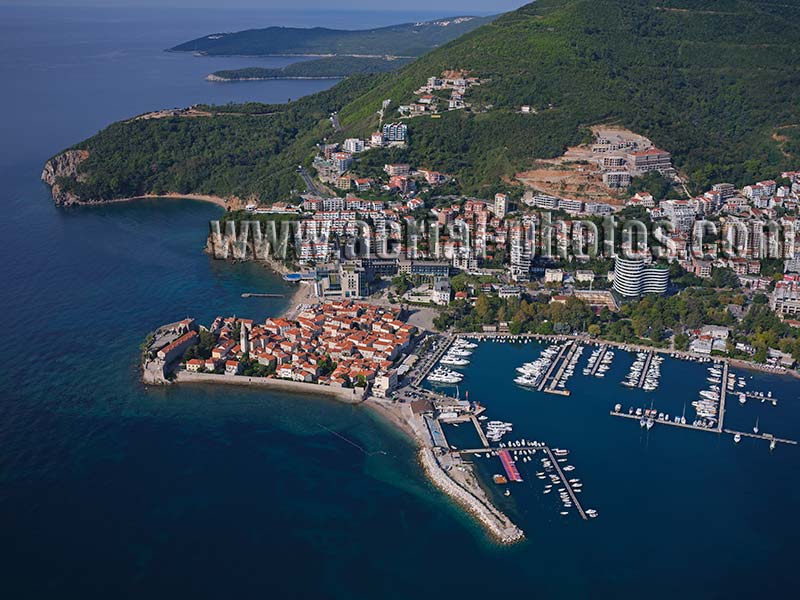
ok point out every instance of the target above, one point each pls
(333, 67)
(355, 352)
(402, 40)
(705, 89)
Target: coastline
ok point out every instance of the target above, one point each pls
(743, 364)
(345, 395)
(500, 528)
(218, 200)
(217, 79)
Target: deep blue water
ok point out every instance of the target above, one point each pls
(108, 489)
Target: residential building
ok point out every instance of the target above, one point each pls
(500, 205)
(701, 268)
(680, 213)
(617, 179)
(633, 277)
(353, 145)
(395, 132)
(652, 159)
(400, 169)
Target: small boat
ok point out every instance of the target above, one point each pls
(772, 445)
(507, 493)
(737, 438)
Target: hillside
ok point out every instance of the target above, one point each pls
(244, 151)
(711, 81)
(407, 39)
(329, 67)
(715, 82)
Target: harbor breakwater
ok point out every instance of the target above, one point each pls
(496, 523)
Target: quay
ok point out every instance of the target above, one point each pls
(432, 360)
(566, 483)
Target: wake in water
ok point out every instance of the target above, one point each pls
(351, 442)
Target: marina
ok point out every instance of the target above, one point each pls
(546, 364)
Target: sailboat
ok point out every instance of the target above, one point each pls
(683, 416)
(755, 429)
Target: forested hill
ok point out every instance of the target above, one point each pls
(332, 67)
(407, 39)
(716, 83)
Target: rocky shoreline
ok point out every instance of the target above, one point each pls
(496, 523)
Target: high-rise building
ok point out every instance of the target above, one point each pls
(521, 253)
(500, 205)
(634, 277)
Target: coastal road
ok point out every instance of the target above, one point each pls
(311, 187)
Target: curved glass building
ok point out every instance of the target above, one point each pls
(634, 277)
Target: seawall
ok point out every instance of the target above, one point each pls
(348, 395)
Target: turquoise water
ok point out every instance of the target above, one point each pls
(108, 489)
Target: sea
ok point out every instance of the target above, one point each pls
(112, 489)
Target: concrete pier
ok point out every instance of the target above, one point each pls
(566, 483)
(643, 376)
(600, 357)
(723, 394)
(549, 381)
(768, 437)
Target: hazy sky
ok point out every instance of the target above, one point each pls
(445, 6)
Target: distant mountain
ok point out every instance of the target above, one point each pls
(715, 82)
(407, 39)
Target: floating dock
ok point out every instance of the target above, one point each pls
(508, 464)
